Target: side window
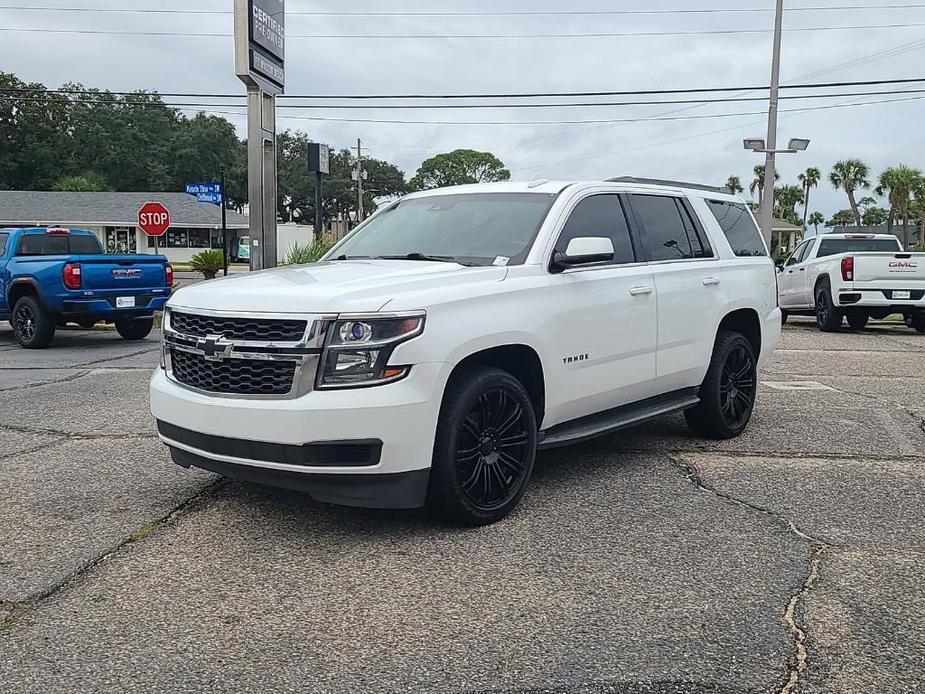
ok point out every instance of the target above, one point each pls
(739, 227)
(797, 254)
(600, 215)
(3, 240)
(695, 232)
(665, 231)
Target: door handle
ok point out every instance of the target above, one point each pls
(802, 269)
(789, 272)
(637, 291)
(710, 281)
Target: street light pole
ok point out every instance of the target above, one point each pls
(359, 181)
(767, 197)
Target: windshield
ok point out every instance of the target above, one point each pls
(836, 246)
(473, 228)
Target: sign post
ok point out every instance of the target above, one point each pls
(154, 220)
(319, 163)
(259, 40)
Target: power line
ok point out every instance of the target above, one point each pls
(541, 13)
(523, 95)
(390, 36)
(555, 122)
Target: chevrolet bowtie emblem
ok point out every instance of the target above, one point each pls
(215, 347)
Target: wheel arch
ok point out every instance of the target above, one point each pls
(521, 361)
(823, 277)
(747, 323)
(23, 287)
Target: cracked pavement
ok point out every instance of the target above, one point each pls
(788, 560)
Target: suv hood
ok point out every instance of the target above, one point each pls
(339, 286)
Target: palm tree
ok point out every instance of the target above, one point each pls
(758, 182)
(816, 218)
(898, 183)
(808, 179)
(849, 175)
(786, 199)
(734, 185)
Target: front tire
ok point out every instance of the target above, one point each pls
(484, 449)
(135, 329)
(33, 328)
(828, 316)
(727, 395)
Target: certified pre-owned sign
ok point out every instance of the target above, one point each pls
(260, 43)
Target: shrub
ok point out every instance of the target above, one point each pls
(301, 254)
(208, 263)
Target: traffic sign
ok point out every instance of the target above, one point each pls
(153, 218)
(205, 192)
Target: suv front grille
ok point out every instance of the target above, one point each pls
(238, 328)
(233, 376)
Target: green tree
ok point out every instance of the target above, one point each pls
(898, 184)
(849, 175)
(757, 183)
(459, 167)
(82, 183)
(842, 218)
(786, 198)
(816, 218)
(809, 179)
(734, 185)
(873, 216)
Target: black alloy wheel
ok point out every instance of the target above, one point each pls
(491, 449)
(828, 316)
(737, 386)
(24, 320)
(484, 448)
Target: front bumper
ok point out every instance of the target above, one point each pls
(398, 419)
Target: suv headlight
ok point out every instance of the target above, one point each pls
(358, 348)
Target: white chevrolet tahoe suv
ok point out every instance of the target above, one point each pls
(855, 277)
(433, 350)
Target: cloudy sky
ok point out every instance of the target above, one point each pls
(700, 143)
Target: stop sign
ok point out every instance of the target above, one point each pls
(153, 218)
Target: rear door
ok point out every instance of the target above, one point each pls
(688, 280)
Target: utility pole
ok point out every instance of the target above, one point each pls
(359, 180)
(767, 202)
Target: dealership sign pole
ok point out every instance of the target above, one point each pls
(259, 50)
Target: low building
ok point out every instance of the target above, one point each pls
(194, 226)
(784, 237)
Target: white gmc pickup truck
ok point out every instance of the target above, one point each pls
(433, 350)
(855, 277)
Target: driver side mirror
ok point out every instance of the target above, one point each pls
(583, 250)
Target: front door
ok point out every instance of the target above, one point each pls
(790, 280)
(601, 331)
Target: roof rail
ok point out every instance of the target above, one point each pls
(662, 182)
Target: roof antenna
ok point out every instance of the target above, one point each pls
(536, 181)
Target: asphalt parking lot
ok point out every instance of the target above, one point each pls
(789, 560)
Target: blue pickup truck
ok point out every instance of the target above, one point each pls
(51, 277)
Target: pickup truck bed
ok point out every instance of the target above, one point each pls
(854, 277)
(50, 277)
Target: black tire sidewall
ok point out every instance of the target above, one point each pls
(707, 418)
(834, 316)
(44, 326)
(135, 329)
(445, 493)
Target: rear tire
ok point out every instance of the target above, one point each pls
(484, 449)
(917, 322)
(136, 329)
(857, 320)
(828, 316)
(727, 395)
(33, 328)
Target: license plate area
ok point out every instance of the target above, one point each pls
(128, 302)
(901, 294)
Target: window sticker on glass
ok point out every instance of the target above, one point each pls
(500, 261)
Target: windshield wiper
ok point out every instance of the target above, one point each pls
(422, 256)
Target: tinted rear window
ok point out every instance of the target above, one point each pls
(739, 227)
(58, 244)
(836, 246)
(666, 233)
